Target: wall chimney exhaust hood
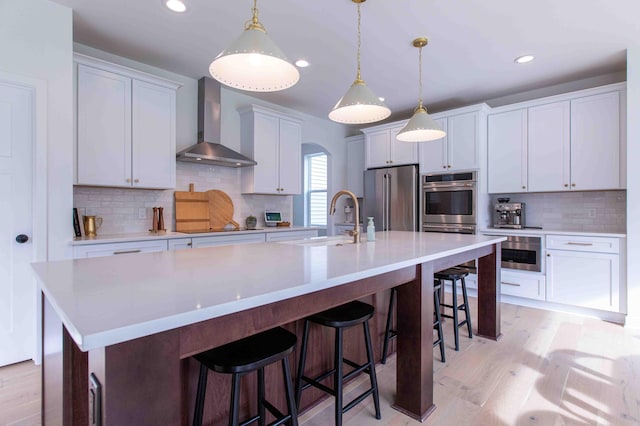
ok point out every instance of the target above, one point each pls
(208, 150)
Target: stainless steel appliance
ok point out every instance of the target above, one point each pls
(509, 215)
(522, 253)
(449, 202)
(391, 198)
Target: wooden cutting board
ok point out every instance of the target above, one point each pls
(220, 210)
(192, 211)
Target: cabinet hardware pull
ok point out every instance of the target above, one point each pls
(524, 187)
(570, 243)
(566, 184)
(127, 251)
(136, 180)
(128, 180)
(444, 167)
(573, 184)
(448, 166)
(515, 285)
(548, 255)
(189, 244)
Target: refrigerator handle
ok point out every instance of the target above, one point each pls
(387, 206)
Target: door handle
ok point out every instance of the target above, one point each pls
(22, 238)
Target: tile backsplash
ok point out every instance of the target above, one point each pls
(121, 209)
(589, 211)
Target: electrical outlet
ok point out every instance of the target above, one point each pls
(591, 213)
(142, 213)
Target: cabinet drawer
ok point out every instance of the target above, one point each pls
(522, 285)
(580, 243)
(179, 244)
(224, 240)
(290, 235)
(98, 250)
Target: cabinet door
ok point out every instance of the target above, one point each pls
(507, 151)
(549, 147)
(355, 167)
(590, 280)
(531, 286)
(104, 128)
(154, 136)
(225, 240)
(266, 177)
(595, 142)
(290, 158)
(401, 152)
(433, 154)
(179, 244)
(462, 141)
(377, 149)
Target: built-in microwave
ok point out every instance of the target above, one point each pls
(449, 198)
(522, 253)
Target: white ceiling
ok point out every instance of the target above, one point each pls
(469, 57)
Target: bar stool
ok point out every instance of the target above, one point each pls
(456, 274)
(340, 318)
(242, 357)
(437, 323)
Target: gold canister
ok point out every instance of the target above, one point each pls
(91, 225)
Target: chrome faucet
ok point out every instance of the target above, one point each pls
(332, 209)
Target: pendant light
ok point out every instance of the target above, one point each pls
(359, 105)
(421, 127)
(253, 62)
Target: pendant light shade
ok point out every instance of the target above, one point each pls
(359, 105)
(253, 62)
(421, 127)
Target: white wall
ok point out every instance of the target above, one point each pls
(633, 186)
(36, 42)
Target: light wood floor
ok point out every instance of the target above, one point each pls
(549, 369)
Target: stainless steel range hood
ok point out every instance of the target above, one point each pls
(208, 150)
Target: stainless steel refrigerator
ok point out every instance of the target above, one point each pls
(391, 198)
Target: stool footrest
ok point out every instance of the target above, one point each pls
(356, 400)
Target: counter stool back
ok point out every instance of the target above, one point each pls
(242, 357)
(340, 318)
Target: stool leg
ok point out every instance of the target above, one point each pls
(466, 307)
(454, 290)
(291, 405)
(234, 408)
(261, 409)
(202, 389)
(436, 304)
(303, 359)
(387, 332)
(338, 379)
(372, 369)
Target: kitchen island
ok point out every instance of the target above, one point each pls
(132, 322)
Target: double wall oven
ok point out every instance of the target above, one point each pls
(449, 202)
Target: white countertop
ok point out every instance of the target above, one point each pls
(531, 231)
(107, 300)
(143, 236)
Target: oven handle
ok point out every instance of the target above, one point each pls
(466, 185)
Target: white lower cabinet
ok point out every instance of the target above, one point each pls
(584, 271)
(273, 237)
(522, 284)
(112, 249)
(179, 244)
(223, 240)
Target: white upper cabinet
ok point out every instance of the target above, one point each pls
(382, 149)
(569, 142)
(273, 140)
(355, 165)
(126, 127)
(549, 147)
(460, 148)
(507, 151)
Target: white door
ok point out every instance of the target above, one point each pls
(507, 151)
(290, 158)
(462, 144)
(433, 154)
(17, 287)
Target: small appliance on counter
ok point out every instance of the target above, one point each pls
(272, 218)
(509, 215)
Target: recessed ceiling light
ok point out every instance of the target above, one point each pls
(176, 5)
(301, 63)
(524, 59)
(381, 98)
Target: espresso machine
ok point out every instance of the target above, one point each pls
(509, 215)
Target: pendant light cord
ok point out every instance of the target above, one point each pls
(358, 77)
(420, 78)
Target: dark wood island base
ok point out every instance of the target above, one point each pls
(152, 380)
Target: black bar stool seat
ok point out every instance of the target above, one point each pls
(340, 318)
(391, 333)
(456, 274)
(242, 357)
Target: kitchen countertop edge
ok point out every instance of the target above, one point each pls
(508, 231)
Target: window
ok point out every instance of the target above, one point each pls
(316, 189)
